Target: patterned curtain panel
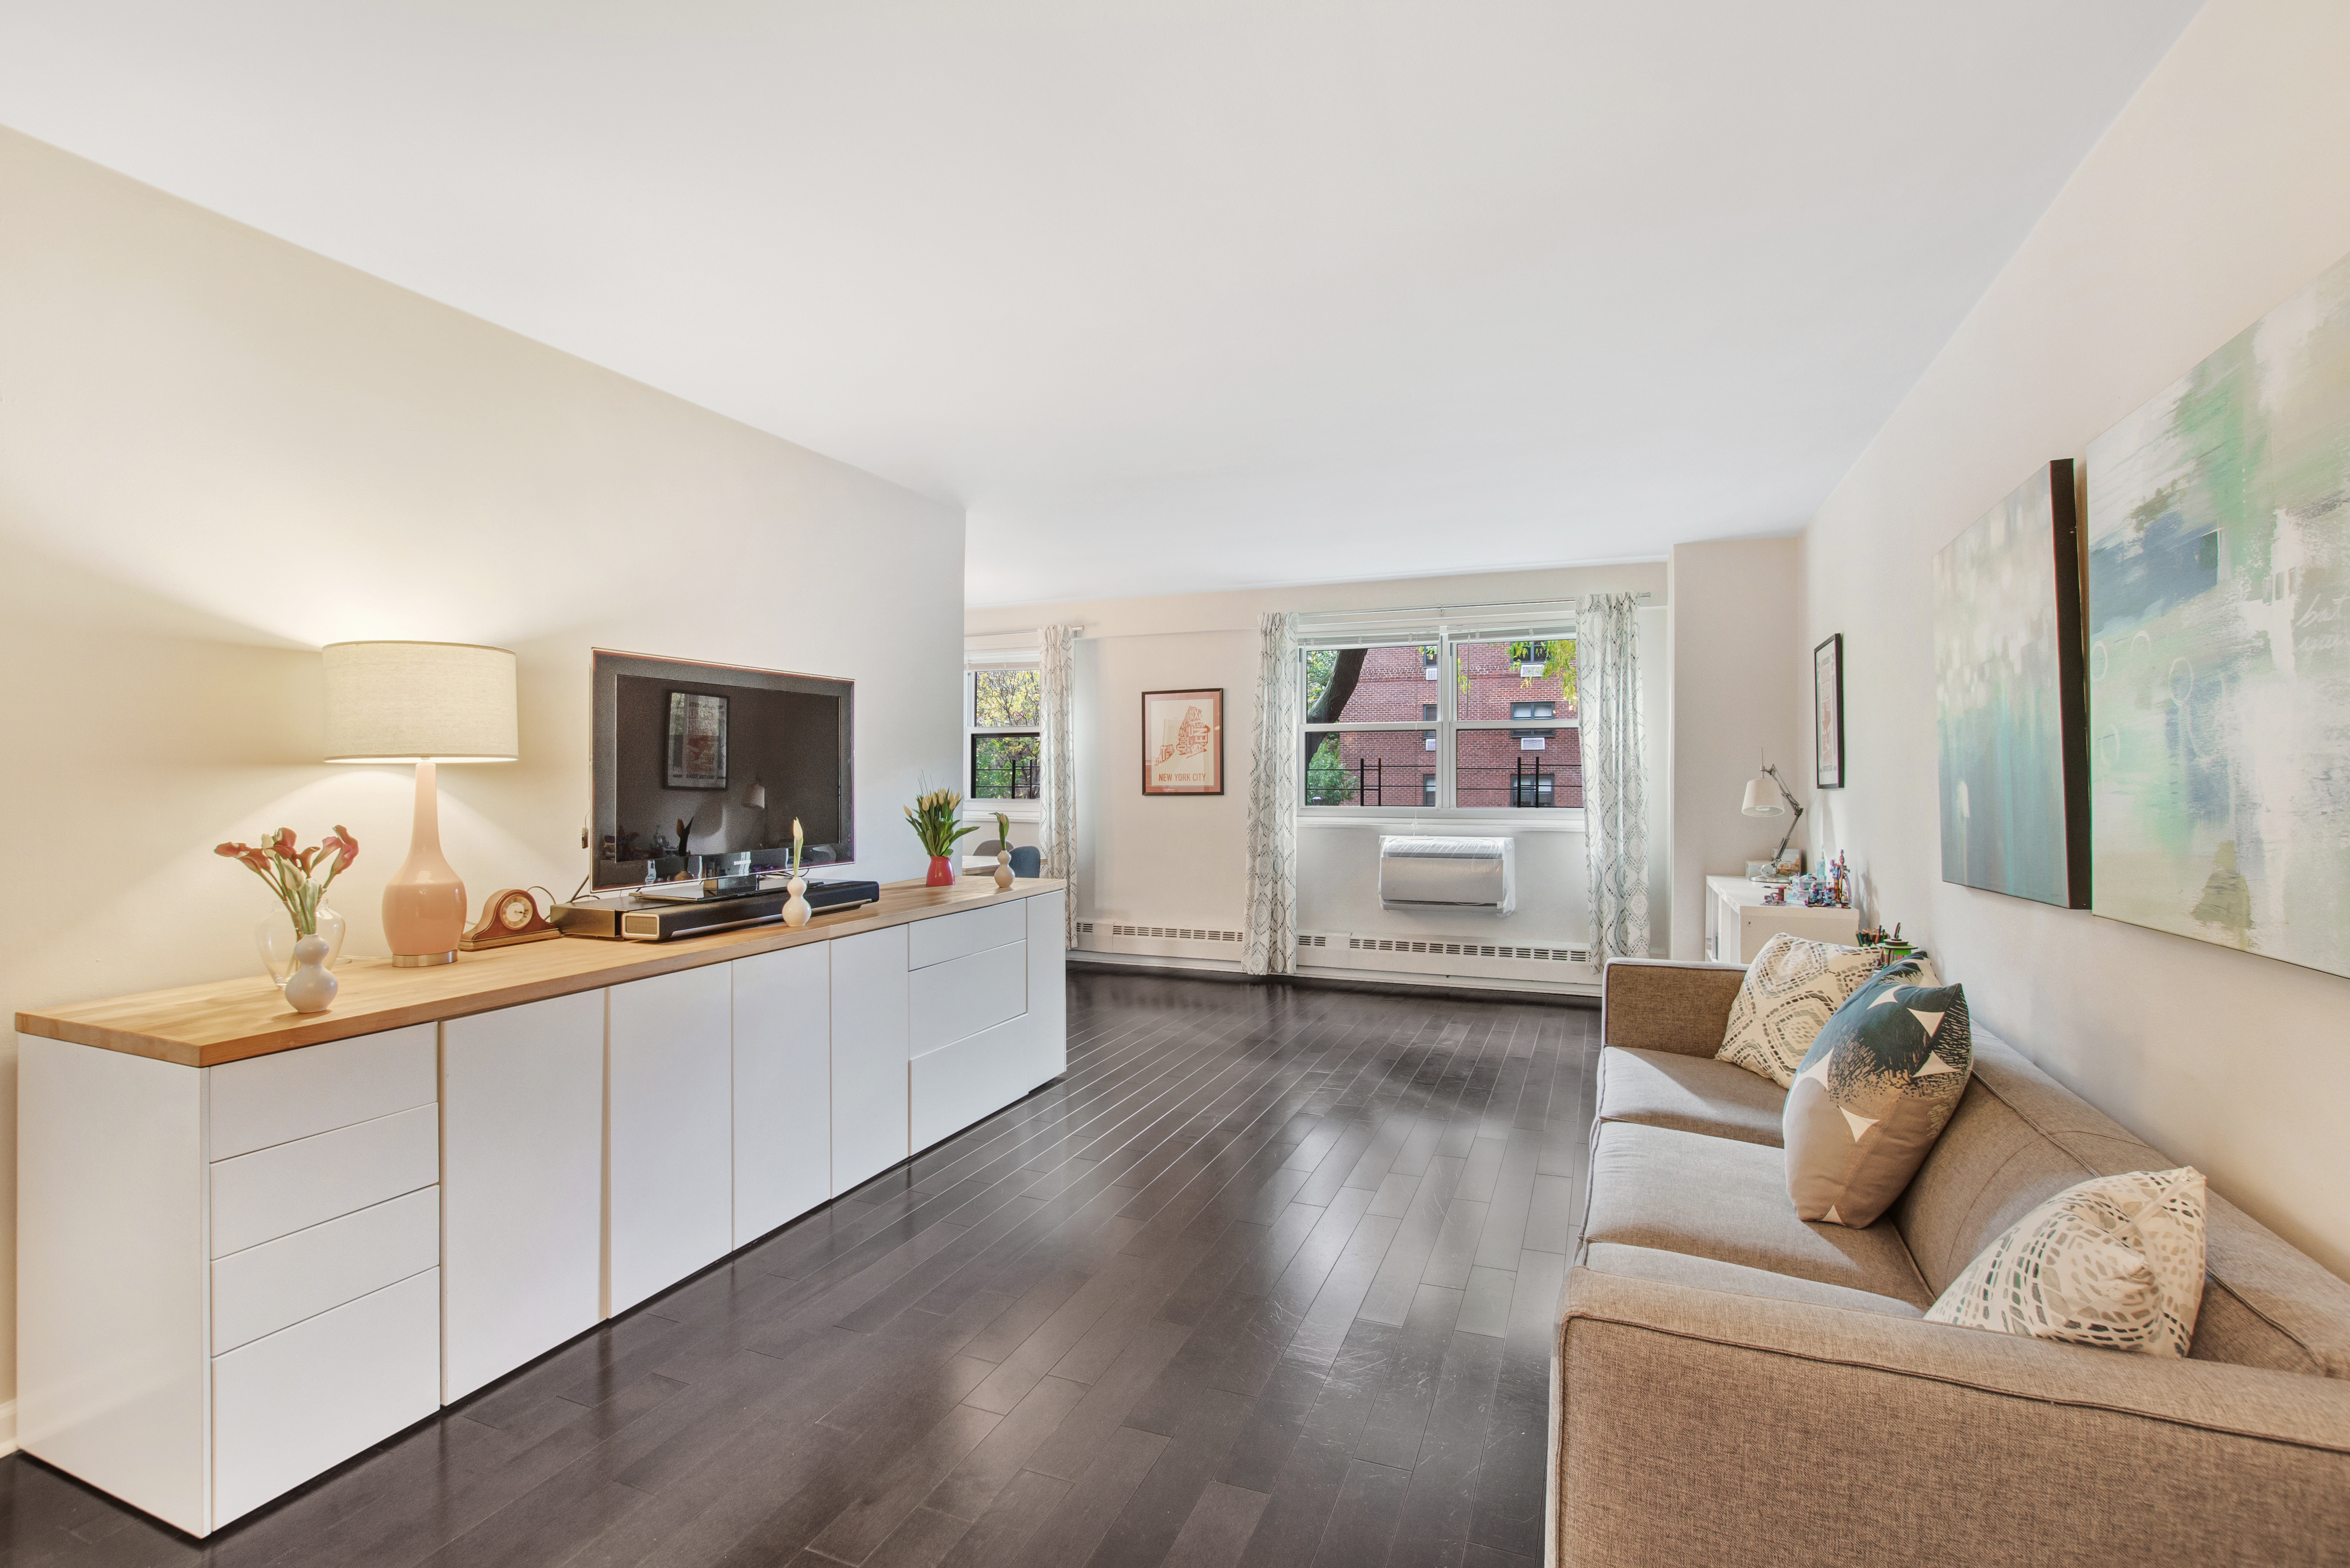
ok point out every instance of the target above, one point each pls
(1615, 782)
(1057, 777)
(1272, 804)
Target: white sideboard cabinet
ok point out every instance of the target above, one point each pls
(1738, 922)
(251, 1244)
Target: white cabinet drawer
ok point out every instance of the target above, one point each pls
(277, 1098)
(289, 1186)
(308, 1397)
(264, 1289)
(972, 1079)
(974, 930)
(962, 997)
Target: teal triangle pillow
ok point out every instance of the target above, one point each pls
(1874, 1092)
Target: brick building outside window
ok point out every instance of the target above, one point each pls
(1489, 723)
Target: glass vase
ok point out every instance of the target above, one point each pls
(275, 937)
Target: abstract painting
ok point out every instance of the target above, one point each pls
(2219, 551)
(2008, 702)
(1183, 742)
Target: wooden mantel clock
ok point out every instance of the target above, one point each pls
(511, 916)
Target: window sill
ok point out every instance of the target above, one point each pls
(989, 810)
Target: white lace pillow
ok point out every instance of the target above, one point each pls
(1792, 989)
(2116, 1262)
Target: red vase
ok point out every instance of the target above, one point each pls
(943, 872)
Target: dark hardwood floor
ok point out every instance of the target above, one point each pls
(1268, 1280)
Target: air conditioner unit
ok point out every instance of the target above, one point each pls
(1448, 873)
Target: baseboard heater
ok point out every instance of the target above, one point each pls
(1448, 873)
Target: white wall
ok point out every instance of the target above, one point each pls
(2217, 192)
(1736, 697)
(218, 451)
(1181, 860)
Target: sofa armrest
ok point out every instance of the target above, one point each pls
(1693, 1424)
(1664, 1004)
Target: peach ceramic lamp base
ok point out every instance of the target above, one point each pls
(424, 904)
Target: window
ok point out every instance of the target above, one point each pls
(1003, 709)
(1501, 735)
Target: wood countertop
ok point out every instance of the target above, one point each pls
(229, 1020)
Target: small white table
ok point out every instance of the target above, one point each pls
(1738, 922)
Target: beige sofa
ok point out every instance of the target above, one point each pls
(1735, 1385)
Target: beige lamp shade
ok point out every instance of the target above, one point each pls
(1759, 801)
(410, 701)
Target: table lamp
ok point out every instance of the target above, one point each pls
(427, 703)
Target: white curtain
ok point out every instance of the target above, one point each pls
(1056, 776)
(1614, 783)
(1273, 803)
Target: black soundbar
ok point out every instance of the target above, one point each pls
(634, 920)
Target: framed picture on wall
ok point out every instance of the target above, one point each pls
(696, 755)
(1827, 713)
(1183, 742)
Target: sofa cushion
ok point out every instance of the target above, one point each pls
(1662, 1004)
(2116, 1261)
(1722, 1198)
(1694, 1093)
(1712, 1274)
(1793, 987)
(1875, 1090)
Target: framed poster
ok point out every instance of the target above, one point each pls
(2011, 704)
(1183, 742)
(1827, 713)
(695, 757)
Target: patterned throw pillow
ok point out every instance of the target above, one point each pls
(1790, 988)
(2116, 1262)
(1875, 1091)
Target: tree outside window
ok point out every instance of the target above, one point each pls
(1004, 718)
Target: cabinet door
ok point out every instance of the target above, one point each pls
(868, 1055)
(1049, 991)
(522, 1184)
(671, 1160)
(783, 1087)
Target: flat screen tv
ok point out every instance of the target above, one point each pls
(701, 767)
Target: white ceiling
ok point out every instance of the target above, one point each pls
(1171, 296)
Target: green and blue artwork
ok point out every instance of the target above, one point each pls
(2219, 608)
(2008, 707)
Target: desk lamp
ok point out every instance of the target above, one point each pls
(427, 703)
(1759, 803)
